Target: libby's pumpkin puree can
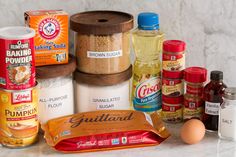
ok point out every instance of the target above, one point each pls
(17, 62)
(19, 117)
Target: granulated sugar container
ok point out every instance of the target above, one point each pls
(56, 93)
(102, 41)
(102, 92)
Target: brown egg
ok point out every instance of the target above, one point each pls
(192, 131)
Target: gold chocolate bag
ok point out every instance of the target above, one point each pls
(104, 130)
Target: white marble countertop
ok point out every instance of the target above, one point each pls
(210, 146)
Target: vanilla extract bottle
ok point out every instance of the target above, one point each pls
(213, 96)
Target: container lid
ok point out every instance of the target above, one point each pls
(16, 33)
(174, 46)
(230, 93)
(172, 74)
(101, 22)
(172, 100)
(148, 21)
(195, 74)
(216, 75)
(103, 79)
(52, 71)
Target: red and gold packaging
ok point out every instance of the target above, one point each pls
(104, 130)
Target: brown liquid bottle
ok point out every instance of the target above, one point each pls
(213, 92)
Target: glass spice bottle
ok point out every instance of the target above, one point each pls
(213, 93)
(227, 115)
(195, 78)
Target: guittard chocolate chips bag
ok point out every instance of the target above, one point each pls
(104, 130)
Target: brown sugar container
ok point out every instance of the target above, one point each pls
(102, 41)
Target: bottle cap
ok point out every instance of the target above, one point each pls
(172, 74)
(172, 100)
(195, 74)
(148, 21)
(174, 46)
(216, 75)
(230, 93)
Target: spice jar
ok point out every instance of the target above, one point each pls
(227, 115)
(193, 98)
(56, 93)
(172, 83)
(102, 41)
(102, 92)
(172, 109)
(173, 55)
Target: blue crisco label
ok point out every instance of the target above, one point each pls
(147, 95)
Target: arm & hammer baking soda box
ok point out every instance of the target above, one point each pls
(51, 39)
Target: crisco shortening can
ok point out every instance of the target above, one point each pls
(17, 61)
(19, 117)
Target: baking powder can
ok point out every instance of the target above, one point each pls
(19, 117)
(17, 61)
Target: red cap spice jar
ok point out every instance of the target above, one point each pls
(172, 83)
(195, 78)
(172, 109)
(173, 55)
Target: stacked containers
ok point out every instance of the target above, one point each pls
(172, 83)
(54, 65)
(102, 47)
(18, 93)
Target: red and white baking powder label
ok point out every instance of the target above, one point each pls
(17, 64)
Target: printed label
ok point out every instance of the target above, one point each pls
(17, 64)
(107, 103)
(147, 95)
(19, 122)
(105, 54)
(173, 62)
(212, 108)
(172, 88)
(51, 39)
(192, 113)
(21, 96)
(53, 104)
(193, 109)
(172, 113)
(49, 28)
(194, 90)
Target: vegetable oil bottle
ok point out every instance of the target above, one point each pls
(147, 42)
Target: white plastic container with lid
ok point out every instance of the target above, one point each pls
(56, 93)
(102, 92)
(227, 115)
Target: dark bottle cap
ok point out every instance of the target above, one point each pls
(216, 75)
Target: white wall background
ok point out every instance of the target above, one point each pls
(207, 26)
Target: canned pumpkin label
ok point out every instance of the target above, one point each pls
(19, 117)
(17, 64)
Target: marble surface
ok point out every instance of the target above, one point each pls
(210, 146)
(208, 27)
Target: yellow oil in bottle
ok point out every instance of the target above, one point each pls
(147, 43)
